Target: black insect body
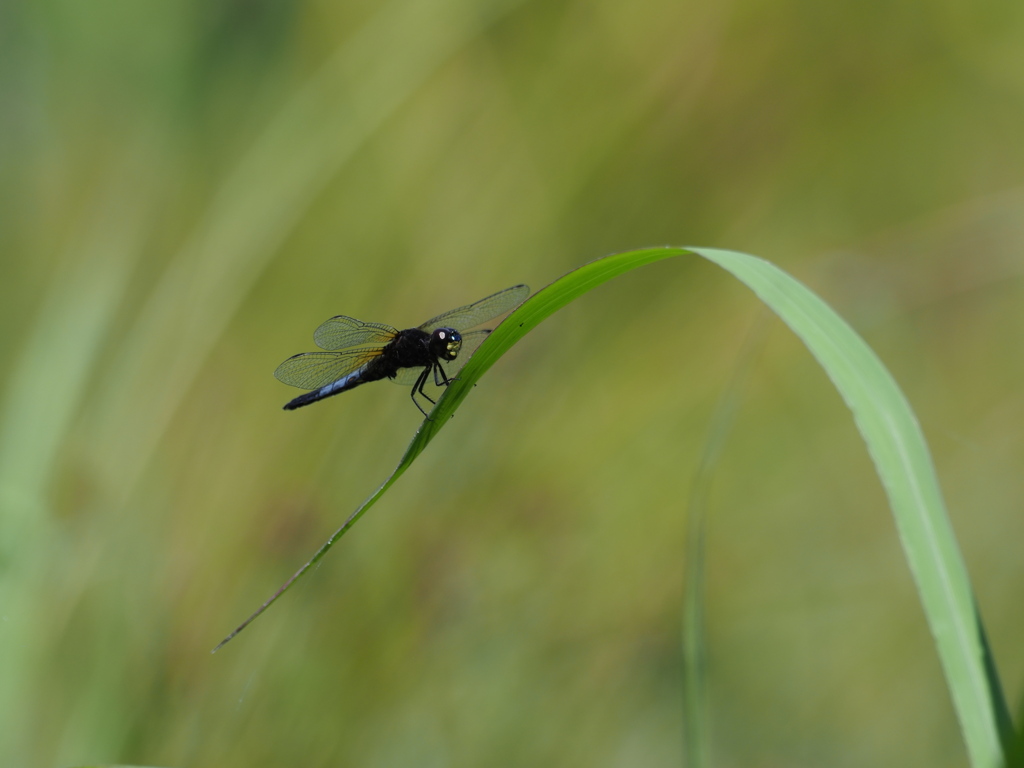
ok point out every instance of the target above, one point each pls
(358, 352)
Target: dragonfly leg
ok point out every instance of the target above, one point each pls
(423, 383)
(418, 387)
(444, 380)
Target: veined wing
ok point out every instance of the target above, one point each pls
(341, 331)
(481, 311)
(470, 342)
(312, 370)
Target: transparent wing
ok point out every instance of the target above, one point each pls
(481, 311)
(313, 370)
(470, 342)
(407, 376)
(341, 331)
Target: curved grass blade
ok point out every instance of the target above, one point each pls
(903, 462)
(886, 422)
(526, 317)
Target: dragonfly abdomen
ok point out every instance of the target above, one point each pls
(343, 384)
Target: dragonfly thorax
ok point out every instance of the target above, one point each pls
(445, 343)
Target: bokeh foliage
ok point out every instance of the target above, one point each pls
(188, 189)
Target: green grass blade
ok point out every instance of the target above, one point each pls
(884, 419)
(526, 317)
(696, 735)
(903, 463)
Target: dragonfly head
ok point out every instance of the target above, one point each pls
(446, 343)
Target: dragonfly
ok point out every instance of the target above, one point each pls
(356, 352)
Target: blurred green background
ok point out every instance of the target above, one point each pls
(187, 189)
